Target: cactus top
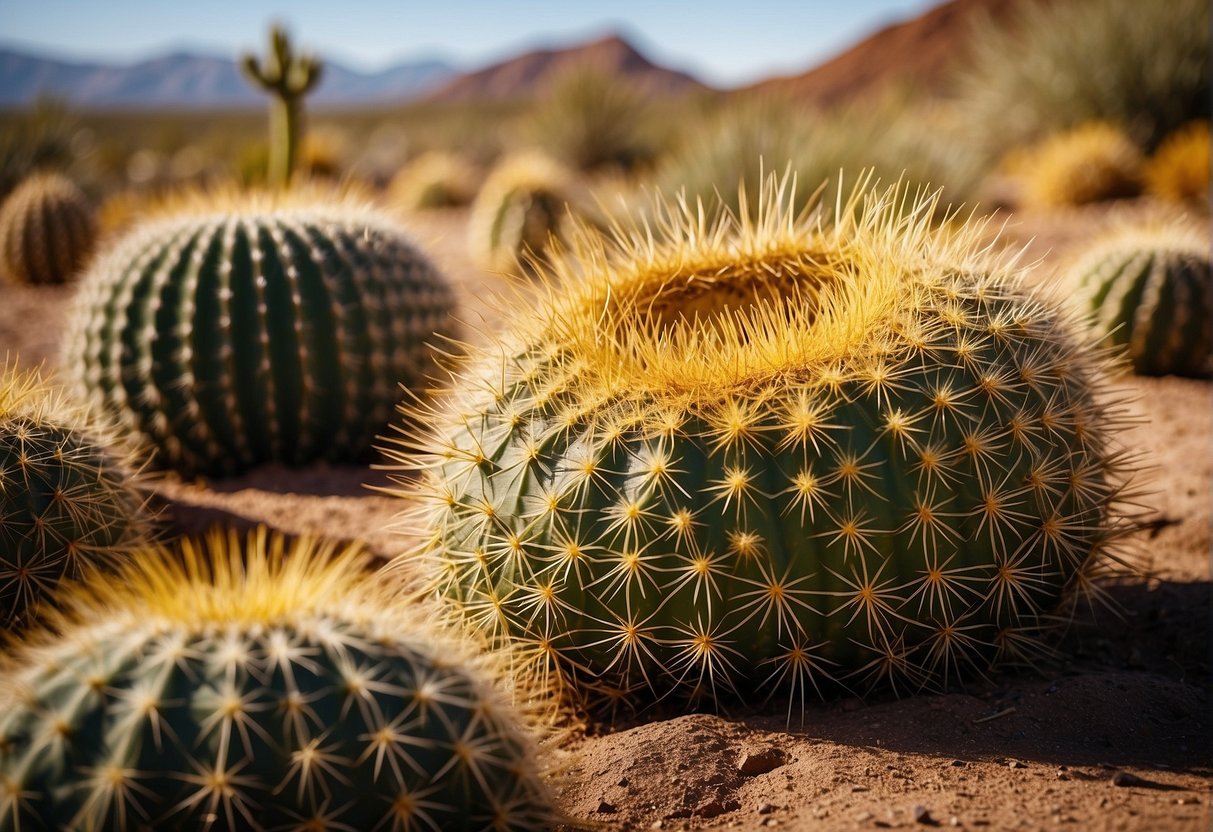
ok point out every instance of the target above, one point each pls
(231, 331)
(264, 686)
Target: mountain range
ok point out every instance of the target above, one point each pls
(920, 52)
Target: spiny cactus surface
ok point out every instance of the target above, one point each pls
(69, 502)
(287, 77)
(47, 231)
(1151, 291)
(523, 204)
(258, 686)
(243, 330)
(763, 458)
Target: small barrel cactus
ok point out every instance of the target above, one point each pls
(263, 686)
(47, 230)
(1150, 290)
(288, 78)
(69, 500)
(523, 204)
(1179, 169)
(433, 180)
(753, 457)
(236, 330)
(1093, 162)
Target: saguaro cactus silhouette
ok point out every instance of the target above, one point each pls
(288, 78)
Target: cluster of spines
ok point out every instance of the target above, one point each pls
(230, 339)
(258, 687)
(1150, 291)
(70, 505)
(47, 230)
(905, 513)
(1092, 162)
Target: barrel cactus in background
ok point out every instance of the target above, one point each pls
(1091, 163)
(523, 204)
(1179, 169)
(258, 686)
(433, 180)
(1150, 290)
(69, 500)
(47, 230)
(239, 329)
(288, 78)
(744, 458)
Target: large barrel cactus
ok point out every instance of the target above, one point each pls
(523, 205)
(69, 498)
(47, 230)
(745, 458)
(258, 686)
(242, 330)
(1150, 290)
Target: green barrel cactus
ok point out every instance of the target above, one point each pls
(736, 458)
(257, 328)
(288, 78)
(1150, 291)
(47, 230)
(70, 503)
(259, 686)
(523, 204)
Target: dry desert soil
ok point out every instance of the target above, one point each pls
(1114, 734)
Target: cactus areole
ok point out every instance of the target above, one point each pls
(740, 458)
(271, 328)
(256, 687)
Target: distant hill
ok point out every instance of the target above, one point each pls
(529, 73)
(186, 80)
(920, 53)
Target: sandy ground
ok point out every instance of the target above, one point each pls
(1115, 734)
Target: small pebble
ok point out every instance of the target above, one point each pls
(922, 815)
(1126, 779)
(606, 808)
(1187, 801)
(959, 764)
(765, 808)
(623, 781)
(1016, 764)
(954, 821)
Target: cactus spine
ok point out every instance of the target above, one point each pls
(287, 78)
(738, 458)
(47, 230)
(69, 502)
(273, 327)
(264, 686)
(1151, 291)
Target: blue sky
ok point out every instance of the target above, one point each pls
(723, 42)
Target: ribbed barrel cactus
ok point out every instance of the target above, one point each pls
(70, 503)
(47, 230)
(1150, 290)
(259, 686)
(248, 329)
(739, 458)
(523, 204)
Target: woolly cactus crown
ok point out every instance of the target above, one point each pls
(726, 456)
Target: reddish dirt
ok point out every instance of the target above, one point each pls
(1112, 735)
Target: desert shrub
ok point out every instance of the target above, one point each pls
(1179, 169)
(592, 120)
(39, 138)
(1091, 163)
(1056, 65)
(742, 142)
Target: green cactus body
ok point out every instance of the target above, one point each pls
(288, 78)
(271, 691)
(762, 459)
(239, 336)
(47, 231)
(1151, 291)
(69, 502)
(522, 205)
